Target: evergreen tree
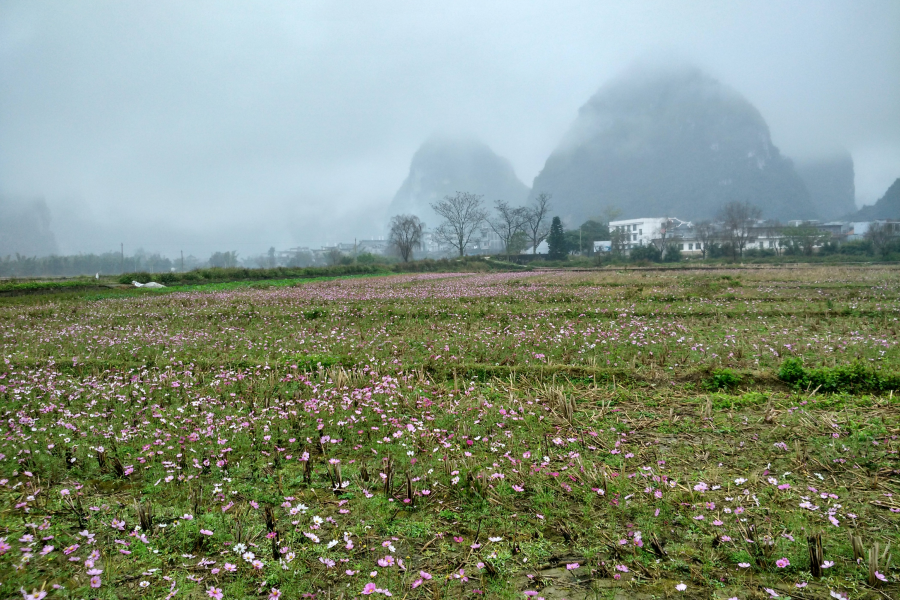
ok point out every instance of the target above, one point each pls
(556, 240)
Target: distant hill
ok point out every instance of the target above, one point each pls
(25, 228)
(831, 186)
(887, 207)
(670, 142)
(443, 166)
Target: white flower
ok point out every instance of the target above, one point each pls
(248, 556)
(333, 543)
(239, 548)
(495, 539)
(144, 584)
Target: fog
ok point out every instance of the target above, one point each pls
(209, 126)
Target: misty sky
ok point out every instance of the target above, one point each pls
(217, 125)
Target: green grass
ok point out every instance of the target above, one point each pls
(523, 421)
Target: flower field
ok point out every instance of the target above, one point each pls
(634, 434)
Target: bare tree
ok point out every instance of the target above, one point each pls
(662, 234)
(739, 219)
(879, 234)
(508, 222)
(406, 235)
(536, 224)
(804, 239)
(224, 260)
(334, 257)
(706, 234)
(774, 232)
(462, 215)
(618, 242)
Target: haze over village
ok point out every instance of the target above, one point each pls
(645, 114)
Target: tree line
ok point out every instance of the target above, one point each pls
(464, 213)
(731, 235)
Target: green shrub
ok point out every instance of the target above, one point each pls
(645, 253)
(792, 371)
(673, 253)
(853, 378)
(722, 379)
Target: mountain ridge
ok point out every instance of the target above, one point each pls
(445, 165)
(670, 142)
(887, 207)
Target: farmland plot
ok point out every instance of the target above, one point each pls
(658, 434)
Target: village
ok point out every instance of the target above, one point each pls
(694, 240)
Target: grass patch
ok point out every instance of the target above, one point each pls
(855, 377)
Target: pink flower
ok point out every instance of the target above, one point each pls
(206, 532)
(572, 566)
(782, 563)
(214, 593)
(275, 594)
(369, 589)
(681, 587)
(95, 581)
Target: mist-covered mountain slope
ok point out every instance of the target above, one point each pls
(25, 228)
(887, 207)
(831, 185)
(443, 166)
(670, 142)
